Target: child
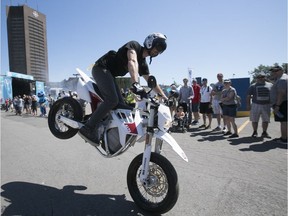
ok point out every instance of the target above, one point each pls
(180, 115)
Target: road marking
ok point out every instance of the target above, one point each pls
(243, 126)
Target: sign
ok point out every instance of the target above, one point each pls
(19, 75)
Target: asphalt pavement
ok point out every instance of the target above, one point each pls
(43, 175)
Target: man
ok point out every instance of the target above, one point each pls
(185, 95)
(279, 100)
(216, 95)
(131, 58)
(260, 94)
(50, 100)
(196, 101)
(173, 99)
(205, 104)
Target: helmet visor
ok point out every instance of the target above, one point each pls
(160, 47)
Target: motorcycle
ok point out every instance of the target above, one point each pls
(151, 178)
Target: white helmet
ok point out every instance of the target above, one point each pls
(157, 40)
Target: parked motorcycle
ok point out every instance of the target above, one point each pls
(151, 178)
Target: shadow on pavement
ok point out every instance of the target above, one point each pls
(208, 135)
(34, 199)
(257, 147)
(245, 140)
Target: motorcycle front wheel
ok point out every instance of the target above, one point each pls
(67, 107)
(161, 192)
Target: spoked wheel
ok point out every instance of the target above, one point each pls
(67, 107)
(161, 192)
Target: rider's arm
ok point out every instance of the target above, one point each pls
(157, 89)
(133, 65)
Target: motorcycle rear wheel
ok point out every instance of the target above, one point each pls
(67, 107)
(162, 193)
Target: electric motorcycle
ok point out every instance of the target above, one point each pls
(151, 178)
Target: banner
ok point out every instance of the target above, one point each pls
(6, 88)
(39, 87)
(190, 76)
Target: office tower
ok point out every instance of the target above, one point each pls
(27, 42)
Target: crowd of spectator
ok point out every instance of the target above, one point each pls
(29, 104)
(222, 101)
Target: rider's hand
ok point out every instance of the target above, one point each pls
(139, 90)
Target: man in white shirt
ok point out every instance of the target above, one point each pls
(205, 104)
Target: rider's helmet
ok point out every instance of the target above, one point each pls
(156, 40)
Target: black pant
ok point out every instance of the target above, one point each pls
(109, 91)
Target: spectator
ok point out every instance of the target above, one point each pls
(179, 116)
(279, 100)
(216, 96)
(27, 103)
(11, 106)
(131, 98)
(63, 94)
(18, 105)
(205, 104)
(185, 95)
(229, 102)
(7, 105)
(34, 105)
(15, 104)
(42, 103)
(59, 96)
(260, 94)
(173, 99)
(196, 101)
(50, 99)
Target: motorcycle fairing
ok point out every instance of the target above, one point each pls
(172, 142)
(164, 118)
(88, 84)
(123, 120)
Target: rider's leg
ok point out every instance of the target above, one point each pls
(109, 91)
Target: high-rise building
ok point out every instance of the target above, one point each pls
(27, 42)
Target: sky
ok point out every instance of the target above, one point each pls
(231, 37)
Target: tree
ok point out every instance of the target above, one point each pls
(265, 69)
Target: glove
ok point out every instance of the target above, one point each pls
(139, 90)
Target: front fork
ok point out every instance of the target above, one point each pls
(148, 148)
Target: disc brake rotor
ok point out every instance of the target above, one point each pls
(157, 182)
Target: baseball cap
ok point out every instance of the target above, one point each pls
(261, 74)
(275, 68)
(227, 81)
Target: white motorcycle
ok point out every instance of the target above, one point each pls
(152, 180)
